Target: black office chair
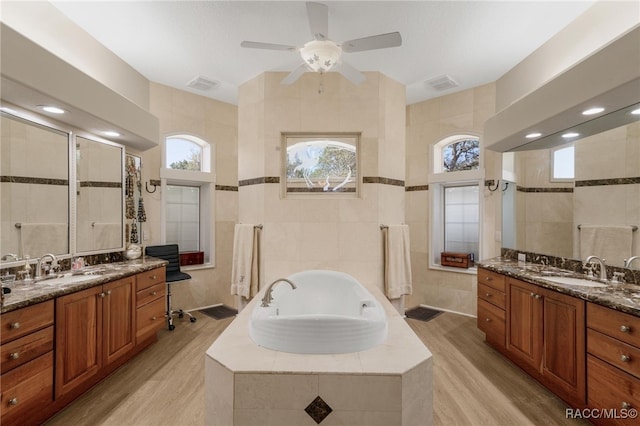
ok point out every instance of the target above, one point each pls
(170, 253)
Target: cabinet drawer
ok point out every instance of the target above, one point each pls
(492, 279)
(624, 327)
(491, 295)
(615, 352)
(150, 317)
(491, 320)
(24, 349)
(610, 388)
(150, 278)
(23, 321)
(27, 388)
(149, 294)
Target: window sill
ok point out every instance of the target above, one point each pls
(469, 271)
(187, 268)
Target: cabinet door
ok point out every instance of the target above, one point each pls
(563, 361)
(524, 324)
(78, 339)
(118, 317)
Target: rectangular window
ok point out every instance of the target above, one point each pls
(461, 219)
(183, 217)
(562, 164)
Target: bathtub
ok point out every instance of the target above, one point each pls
(328, 313)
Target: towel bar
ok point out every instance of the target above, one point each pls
(634, 228)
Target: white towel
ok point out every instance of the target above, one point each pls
(244, 270)
(397, 262)
(40, 238)
(107, 236)
(610, 242)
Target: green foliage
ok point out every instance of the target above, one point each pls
(192, 163)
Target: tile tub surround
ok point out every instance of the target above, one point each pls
(246, 384)
(26, 294)
(621, 297)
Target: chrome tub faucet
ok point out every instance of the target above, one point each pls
(268, 298)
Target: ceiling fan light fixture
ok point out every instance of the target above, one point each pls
(321, 55)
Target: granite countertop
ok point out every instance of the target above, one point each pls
(621, 297)
(26, 294)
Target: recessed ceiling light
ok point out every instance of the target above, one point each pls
(111, 133)
(533, 135)
(636, 111)
(592, 111)
(570, 135)
(52, 109)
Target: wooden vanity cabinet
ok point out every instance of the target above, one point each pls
(491, 307)
(94, 328)
(26, 383)
(613, 363)
(150, 302)
(546, 338)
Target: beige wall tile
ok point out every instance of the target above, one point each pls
(274, 391)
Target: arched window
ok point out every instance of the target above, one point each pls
(185, 152)
(457, 153)
(455, 193)
(187, 192)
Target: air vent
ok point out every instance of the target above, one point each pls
(444, 82)
(202, 83)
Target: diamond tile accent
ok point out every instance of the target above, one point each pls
(318, 410)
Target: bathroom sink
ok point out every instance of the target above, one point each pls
(65, 280)
(575, 281)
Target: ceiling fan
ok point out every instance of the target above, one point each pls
(322, 54)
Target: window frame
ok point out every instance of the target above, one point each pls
(206, 181)
(315, 136)
(438, 180)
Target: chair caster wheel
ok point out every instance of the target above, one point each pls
(192, 319)
(172, 327)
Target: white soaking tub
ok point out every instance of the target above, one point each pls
(328, 313)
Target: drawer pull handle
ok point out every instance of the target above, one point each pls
(153, 277)
(625, 405)
(13, 401)
(14, 355)
(487, 278)
(625, 328)
(102, 295)
(488, 294)
(532, 294)
(487, 319)
(153, 318)
(537, 296)
(625, 358)
(15, 325)
(153, 293)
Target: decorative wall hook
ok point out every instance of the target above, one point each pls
(506, 185)
(489, 184)
(153, 183)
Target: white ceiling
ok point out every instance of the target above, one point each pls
(171, 42)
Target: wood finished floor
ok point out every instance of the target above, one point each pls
(473, 384)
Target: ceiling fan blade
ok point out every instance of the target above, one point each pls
(350, 73)
(380, 41)
(268, 46)
(318, 20)
(294, 75)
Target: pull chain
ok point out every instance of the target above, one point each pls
(321, 86)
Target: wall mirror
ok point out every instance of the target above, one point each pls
(543, 215)
(34, 189)
(317, 163)
(99, 195)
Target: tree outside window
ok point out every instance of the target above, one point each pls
(461, 155)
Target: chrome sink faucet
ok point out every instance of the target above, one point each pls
(268, 298)
(627, 262)
(603, 268)
(54, 262)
